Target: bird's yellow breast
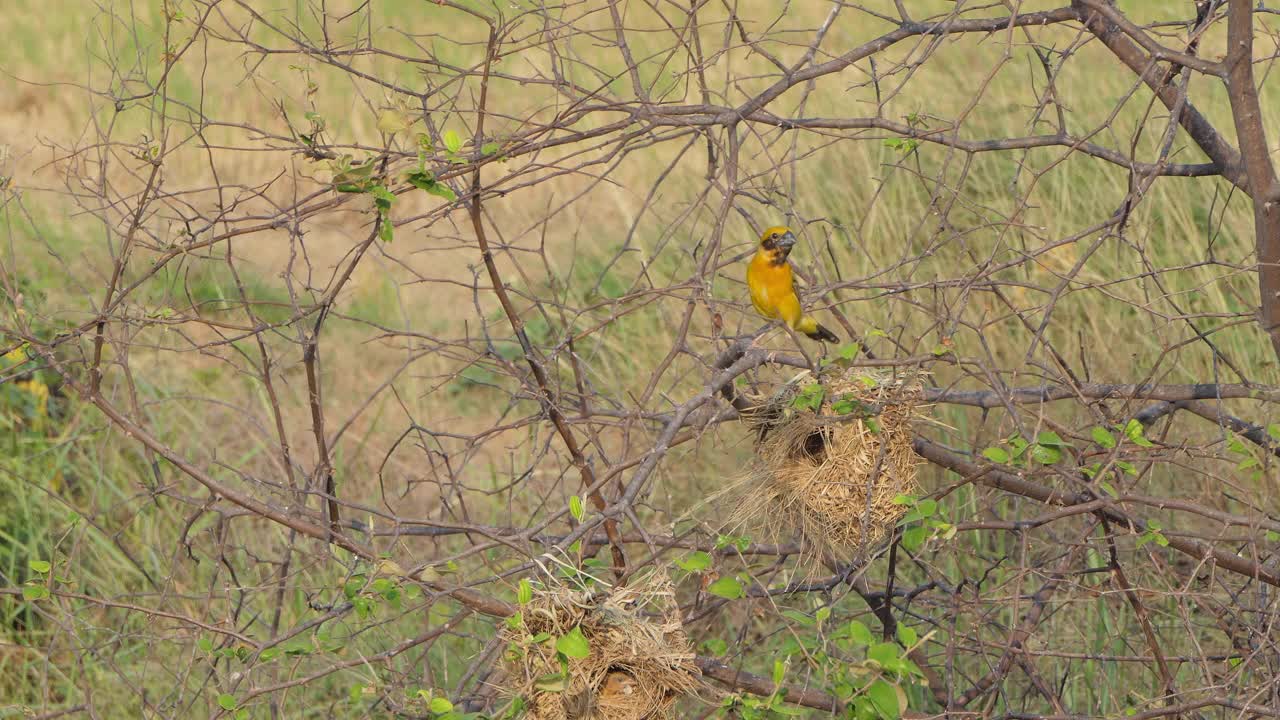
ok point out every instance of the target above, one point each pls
(770, 283)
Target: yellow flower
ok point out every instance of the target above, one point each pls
(40, 392)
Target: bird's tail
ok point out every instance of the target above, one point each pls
(814, 330)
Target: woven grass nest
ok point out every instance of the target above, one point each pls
(640, 661)
(831, 475)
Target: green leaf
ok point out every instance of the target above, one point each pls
(849, 351)
(575, 508)
(573, 644)
(716, 646)
(859, 633)
(355, 177)
(421, 179)
(299, 647)
(696, 561)
(905, 500)
(1128, 467)
(996, 455)
(727, 587)
(269, 654)
(1133, 430)
(386, 232)
(241, 714)
(1049, 438)
(885, 699)
(440, 706)
(1046, 455)
(524, 592)
(553, 682)
(810, 398)
(32, 593)
(1103, 437)
(1273, 536)
(489, 148)
(353, 586)
(907, 635)
(227, 701)
(798, 617)
(1108, 488)
(426, 181)
(742, 542)
(885, 653)
(364, 607)
(452, 141)
(927, 507)
(205, 645)
(40, 566)
(913, 537)
(845, 407)
(779, 672)
(382, 197)
(822, 614)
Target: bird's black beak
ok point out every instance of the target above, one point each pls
(787, 241)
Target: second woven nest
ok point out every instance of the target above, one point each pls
(640, 661)
(832, 476)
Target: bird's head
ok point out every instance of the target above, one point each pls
(778, 241)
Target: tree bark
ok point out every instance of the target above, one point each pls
(1261, 174)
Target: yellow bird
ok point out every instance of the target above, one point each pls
(772, 291)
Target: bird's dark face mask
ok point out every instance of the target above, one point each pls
(779, 246)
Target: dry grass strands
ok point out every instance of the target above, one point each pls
(639, 661)
(832, 476)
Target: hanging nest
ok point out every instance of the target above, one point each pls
(639, 662)
(832, 476)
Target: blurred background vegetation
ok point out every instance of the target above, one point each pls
(616, 248)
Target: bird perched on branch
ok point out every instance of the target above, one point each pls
(773, 293)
